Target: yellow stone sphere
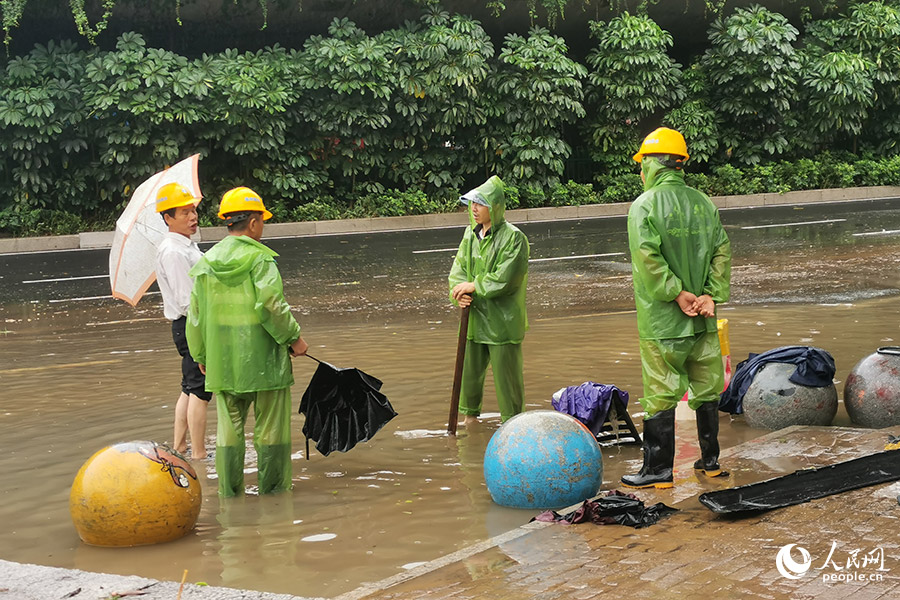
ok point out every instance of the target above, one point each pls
(134, 493)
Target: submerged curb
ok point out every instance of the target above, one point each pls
(103, 239)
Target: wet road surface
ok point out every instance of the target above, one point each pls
(81, 371)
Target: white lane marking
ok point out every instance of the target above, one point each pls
(882, 232)
(93, 298)
(794, 224)
(574, 257)
(66, 279)
(435, 250)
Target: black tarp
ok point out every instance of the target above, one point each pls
(614, 508)
(805, 485)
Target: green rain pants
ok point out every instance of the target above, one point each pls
(271, 438)
(509, 382)
(672, 366)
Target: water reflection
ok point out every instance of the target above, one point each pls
(81, 374)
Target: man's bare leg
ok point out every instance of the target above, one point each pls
(179, 440)
(196, 422)
(466, 420)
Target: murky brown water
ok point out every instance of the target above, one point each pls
(77, 375)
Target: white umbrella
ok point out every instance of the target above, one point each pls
(140, 230)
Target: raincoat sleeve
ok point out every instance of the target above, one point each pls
(508, 272)
(194, 327)
(658, 279)
(273, 310)
(459, 270)
(718, 283)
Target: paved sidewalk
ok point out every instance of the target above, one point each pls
(695, 553)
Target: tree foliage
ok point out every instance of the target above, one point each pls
(353, 123)
(751, 69)
(631, 78)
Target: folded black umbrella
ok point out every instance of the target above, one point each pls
(343, 407)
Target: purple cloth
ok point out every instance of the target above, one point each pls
(589, 403)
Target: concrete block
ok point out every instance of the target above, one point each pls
(212, 234)
(341, 226)
(458, 219)
(592, 211)
(396, 223)
(96, 239)
(38, 244)
(298, 229)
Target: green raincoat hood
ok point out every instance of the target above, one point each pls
(233, 259)
(656, 173)
(491, 191)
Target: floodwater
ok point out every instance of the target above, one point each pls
(80, 371)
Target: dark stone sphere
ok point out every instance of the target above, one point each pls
(775, 402)
(872, 390)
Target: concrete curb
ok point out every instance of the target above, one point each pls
(34, 582)
(103, 239)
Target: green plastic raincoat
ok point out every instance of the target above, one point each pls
(677, 243)
(240, 326)
(498, 267)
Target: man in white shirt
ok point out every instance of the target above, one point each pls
(175, 257)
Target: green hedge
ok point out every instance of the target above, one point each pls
(780, 177)
(353, 124)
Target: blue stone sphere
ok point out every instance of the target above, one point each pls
(542, 459)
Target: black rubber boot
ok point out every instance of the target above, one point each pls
(708, 435)
(659, 453)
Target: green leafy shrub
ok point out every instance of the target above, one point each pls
(318, 210)
(396, 203)
(620, 188)
(572, 194)
(631, 77)
(752, 70)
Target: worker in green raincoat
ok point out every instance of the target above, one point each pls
(681, 268)
(489, 275)
(241, 331)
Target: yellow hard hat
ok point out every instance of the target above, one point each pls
(242, 199)
(663, 141)
(174, 195)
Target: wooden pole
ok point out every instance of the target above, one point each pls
(457, 374)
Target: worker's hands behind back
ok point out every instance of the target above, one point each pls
(687, 303)
(705, 306)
